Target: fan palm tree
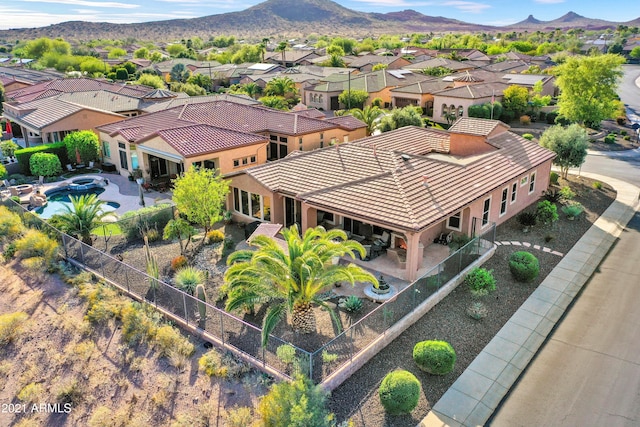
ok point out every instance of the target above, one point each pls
(292, 278)
(369, 115)
(282, 47)
(280, 86)
(84, 214)
(251, 89)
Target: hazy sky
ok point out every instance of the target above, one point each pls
(38, 13)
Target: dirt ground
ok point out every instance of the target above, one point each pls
(112, 382)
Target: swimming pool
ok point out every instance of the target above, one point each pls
(58, 198)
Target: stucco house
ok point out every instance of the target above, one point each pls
(398, 191)
(218, 134)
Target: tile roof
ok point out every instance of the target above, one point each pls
(202, 139)
(423, 87)
(239, 99)
(220, 118)
(102, 100)
(372, 82)
(439, 62)
(59, 86)
(27, 75)
(474, 91)
(474, 126)
(382, 180)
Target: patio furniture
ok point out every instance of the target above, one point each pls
(69, 167)
(108, 167)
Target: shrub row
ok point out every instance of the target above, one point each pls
(24, 155)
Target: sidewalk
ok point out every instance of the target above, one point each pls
(476, 394)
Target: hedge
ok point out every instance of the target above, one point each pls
(399, 392)
(45, 164)
(24, 155)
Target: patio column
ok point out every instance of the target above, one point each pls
(414, 256)
(309, 217)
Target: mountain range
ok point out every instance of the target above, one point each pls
(295, 18)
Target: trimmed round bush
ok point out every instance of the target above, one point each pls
(524, 266)
(3, 172)
(434, 357)
(480, 281)
(45, 164)
(399, 392)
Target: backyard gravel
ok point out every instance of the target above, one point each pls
(357, 398)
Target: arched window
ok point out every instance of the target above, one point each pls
(452, 109)
(320, 99)
(445, 110)
(460, 111)
(310, 97)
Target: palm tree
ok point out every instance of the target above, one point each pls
(280, 86)
(369, 115)
(292, 278)
(282, 47)
(263, 46)
(251, 89)
(85, 214)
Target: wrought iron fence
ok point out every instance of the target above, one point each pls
(243, 338)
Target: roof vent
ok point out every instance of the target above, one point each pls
(405, 157)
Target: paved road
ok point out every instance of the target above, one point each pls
(588, 372)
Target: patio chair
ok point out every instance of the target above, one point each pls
(70, 168)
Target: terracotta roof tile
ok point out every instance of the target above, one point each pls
(386, 185)
(474, 126)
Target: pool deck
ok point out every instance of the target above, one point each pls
(119, 189)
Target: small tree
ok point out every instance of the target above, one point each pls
(401, 117)
(84, 145)
(122, 74)
(515, 99)
(8, 148)
(569, 144)
(354, 98)
(199, 195)
(181, 230)
(45, 164)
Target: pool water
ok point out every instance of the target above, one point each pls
(58, 199)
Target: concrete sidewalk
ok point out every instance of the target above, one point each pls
(475, 395)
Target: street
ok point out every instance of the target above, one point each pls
(588, 372)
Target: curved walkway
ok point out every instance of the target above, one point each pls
(529, 245)
(476, 394)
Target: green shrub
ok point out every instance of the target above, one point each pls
(626, 138)
(215, 236)
(10, 326)
(18, 178)
(24, 155)
(45, 164)
(8, 148)
(31, 393)
(135, 223)
(83, 144)
(328, 357)
(597, 185)
(477, 310)
(434, 357)
(299, 403)
(567, 193)
(527, 136)
(350, 304)
(542, 116)
(286, 353)
(3, 172)
(187, 278)
(610, 139)
(551, 117)
(152, 235)
(527, 219)
(399, 392)
(524, 266)
(229, 245)
(480, 281)
(9, 251)
(211, 364)
(553, 178)
(239, 417)
(551, 195)
(15, 199)
(69, 392)
(572, 210)
(546, 212)
(35, 243)
(10, 223)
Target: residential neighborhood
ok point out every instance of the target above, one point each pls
(322, 231)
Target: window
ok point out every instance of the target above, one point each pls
(485, 211)
(134, 160)
(524, 180)
(460, 111)
(532, 183)
(445, 110)
(324, 216)
(454, 221)
(277, 150)
(252, 159)
(251, 205)
(106, 149)
(209, 164)
(514, 191)
(503, 201)
(236, 163)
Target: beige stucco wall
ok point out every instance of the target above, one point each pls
(458, 102)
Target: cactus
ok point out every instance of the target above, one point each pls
(152, 265)
(202, 308)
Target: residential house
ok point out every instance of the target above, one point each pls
(454, 66)
(419, 94)
(291, 58)
(13, 78)
(377, 83)
(405, 187)
(365, 63)
(223, 135)
(453, 103)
